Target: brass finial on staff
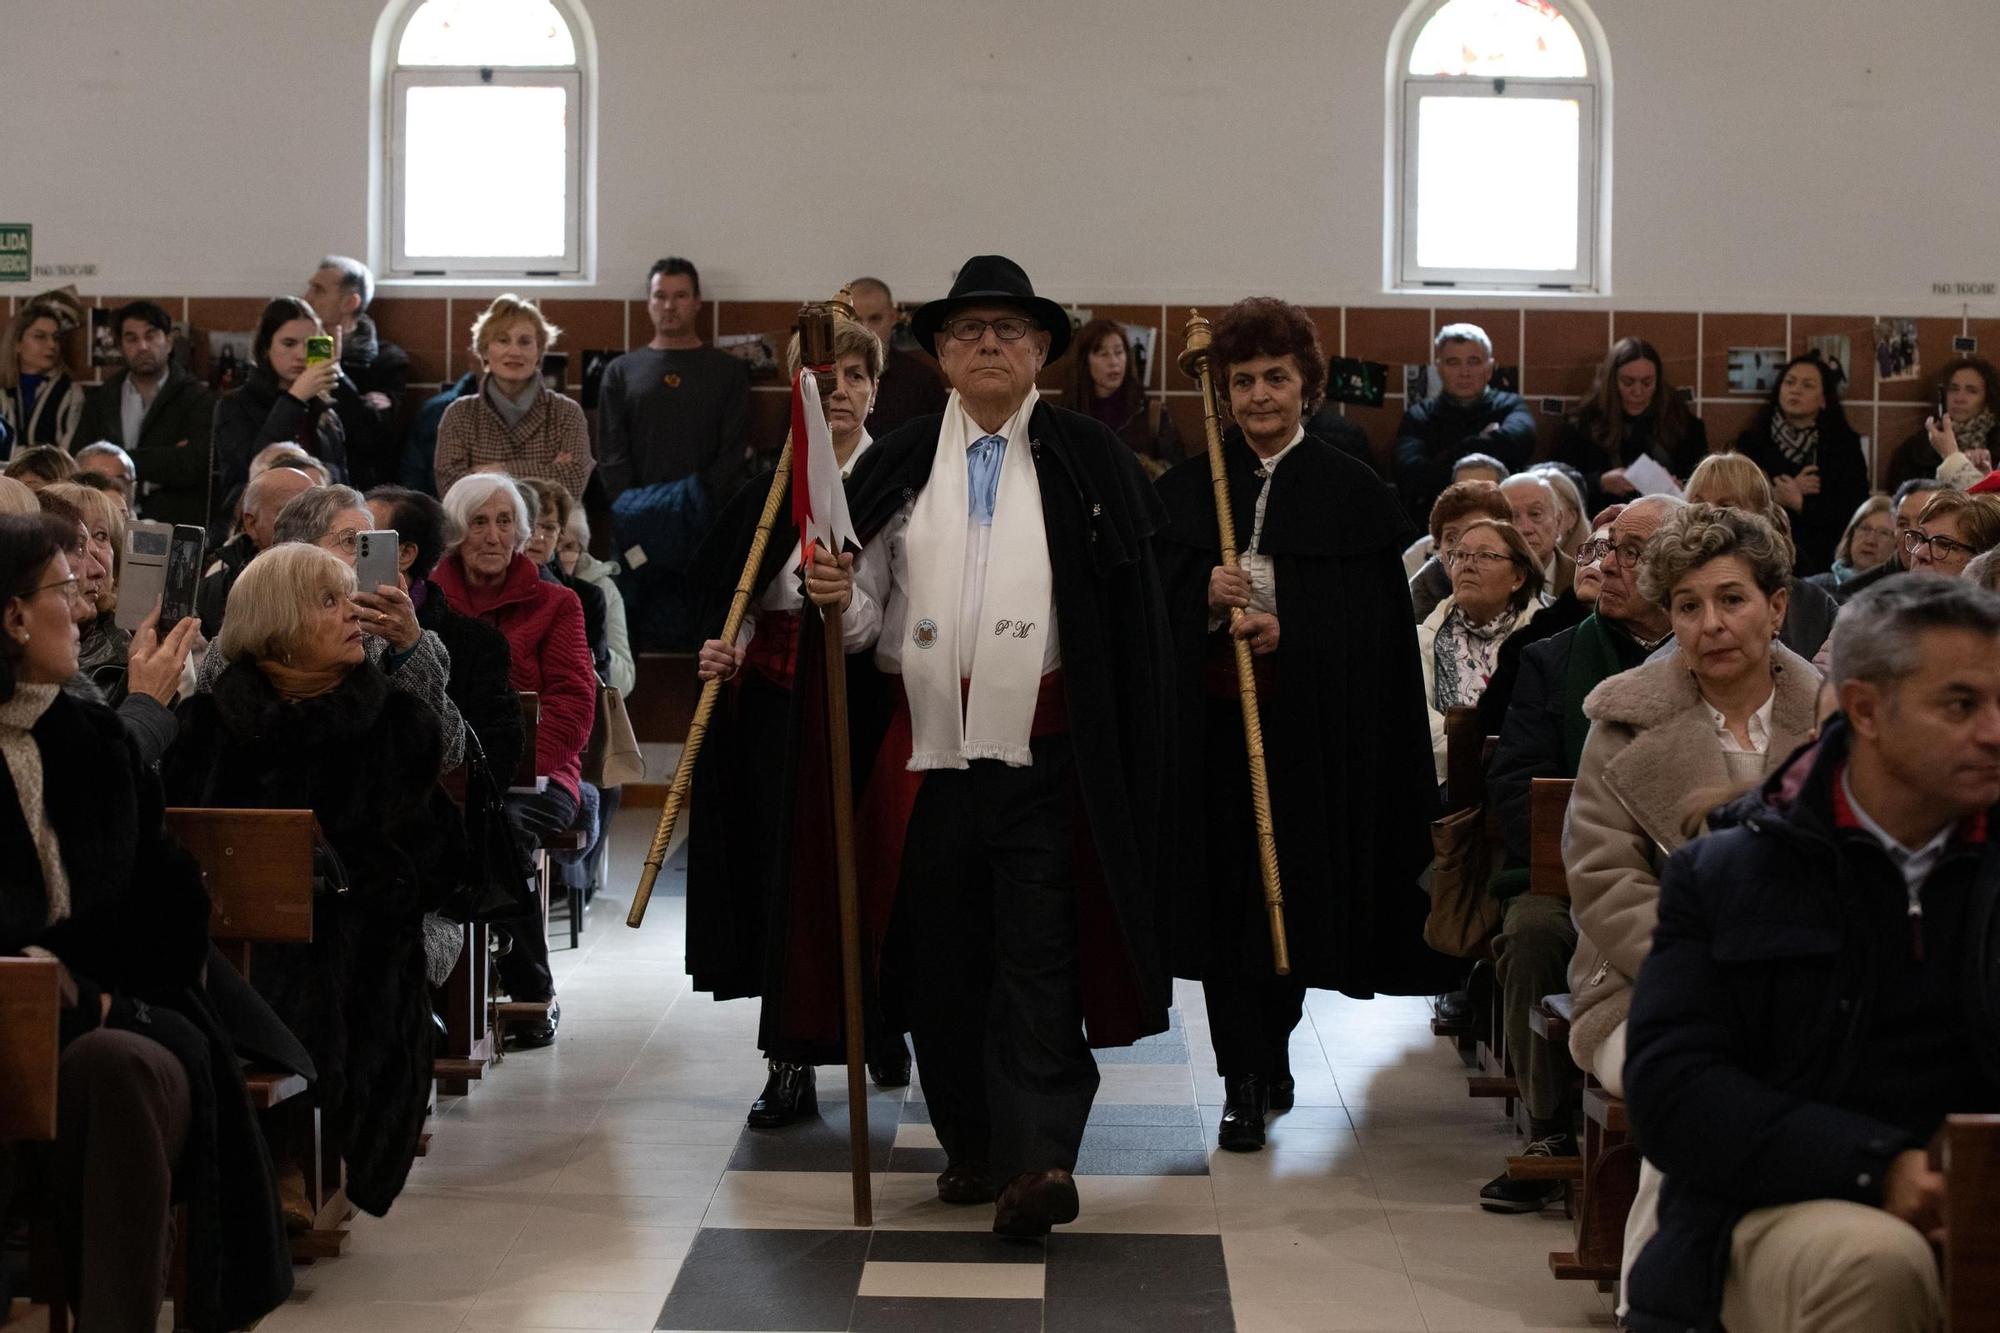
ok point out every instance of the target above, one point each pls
(1194, 362)
(815, 329)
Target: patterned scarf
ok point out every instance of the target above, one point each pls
(1972, 435)
(18, 717)
(1467, 654)
(1799, 444)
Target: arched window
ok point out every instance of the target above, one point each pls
(485, 164)
(1499, 150)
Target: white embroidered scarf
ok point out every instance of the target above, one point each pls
(1011, 622)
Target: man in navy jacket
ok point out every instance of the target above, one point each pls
(1824, 988)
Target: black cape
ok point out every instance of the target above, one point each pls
(1101, 518)
(1345, 731)
(759, 804)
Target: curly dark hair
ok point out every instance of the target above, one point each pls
(1265, 326)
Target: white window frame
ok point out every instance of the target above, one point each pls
(573, 79)
(1592, 190)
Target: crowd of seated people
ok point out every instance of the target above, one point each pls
(1778, 647)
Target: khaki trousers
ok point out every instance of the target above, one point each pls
(1829, 1266)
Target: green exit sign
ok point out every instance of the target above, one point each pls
(17, 244)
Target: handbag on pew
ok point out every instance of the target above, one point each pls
(612, 758)
(495, 885)
(1464, 916)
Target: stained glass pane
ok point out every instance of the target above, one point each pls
(486, 32)
(1521, 39)
(1496, 183)
(470, 192)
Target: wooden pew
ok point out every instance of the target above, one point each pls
(30, 1008)
(1548, 804)
(516, 1011)
(1970, 1159)
(1467, 753)
(258, 865)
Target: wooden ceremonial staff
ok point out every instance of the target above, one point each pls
(1194, 362)
(815, 329)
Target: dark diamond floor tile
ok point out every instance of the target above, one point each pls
(928, 1314)
(1142, 1162)
(770, 1245)
(1091, 1266)
(1164, 1053)
(1188, 1137)
(1125, 1314)
(949, 1247)
(928, 1160)
(757, 1309)
(1144, 1113)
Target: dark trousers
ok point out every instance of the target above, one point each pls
(122, 1115)
(1531, 960)
(1251, 1015)
(524, 970)
(985, 947)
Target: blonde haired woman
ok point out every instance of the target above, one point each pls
(1734, 481)
(514, 424)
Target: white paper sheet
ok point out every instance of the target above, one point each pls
(1649, 478)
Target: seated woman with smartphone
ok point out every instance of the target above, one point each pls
(412, 658)
(300, 718)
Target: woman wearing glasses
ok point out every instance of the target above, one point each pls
(1351, 794)
(1953, 528)
(1496, 586)
(1871, 540)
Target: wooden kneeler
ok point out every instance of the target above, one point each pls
(1969, 1155)
(258, 865)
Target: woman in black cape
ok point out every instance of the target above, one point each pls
(1346, 738)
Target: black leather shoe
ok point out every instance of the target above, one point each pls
(1284, 1092)
(1246, 1102)
(965, 1182)
(1033, 1202)
(1454, 1007)
(528, 1038)
(789, 1095)
(889, 1061)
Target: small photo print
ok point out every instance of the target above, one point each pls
(759, 349)
(1507, 379)
(1144, 342)
(228, 358)
(1837, 350)
(1965, 345)
(594, 363)
(555, 366)
(104, 349)
(1754, 369)
(1352, 380)
(1420, 382)
(1896, 350)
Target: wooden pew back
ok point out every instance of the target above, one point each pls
(531, 721)
(1464, 765)
(1548, 803)
(1971, 1162)
(258, 865)
(30, 1008)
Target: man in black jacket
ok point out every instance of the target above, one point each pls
(374, 371)
(257, 518)
(1824, 988)
(1542, 737)
(161, 415)
(1467, 416)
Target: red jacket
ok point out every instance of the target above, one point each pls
(543, 623)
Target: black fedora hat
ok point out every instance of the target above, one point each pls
(992, 279)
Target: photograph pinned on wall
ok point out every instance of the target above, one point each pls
(594, 363)
(228, 358)
(1144, 342)
(1965, 345)
(104, 349)
(1754, 369)
(1837, 350)
(1420, 382)
(555, 368)
(1896, 350)
(1507, 379)
(1349, 379)
(759, 349)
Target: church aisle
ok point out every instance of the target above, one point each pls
(609, 1183)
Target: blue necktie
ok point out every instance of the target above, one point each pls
(982, 476)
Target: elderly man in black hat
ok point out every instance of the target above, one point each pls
(1007, 586)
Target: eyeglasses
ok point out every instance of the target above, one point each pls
(1942, 548)
(1008, 328)
(1598, 548)
(347, 539)
(71, 590)
(1483, 559)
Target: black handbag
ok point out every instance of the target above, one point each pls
(495, 884)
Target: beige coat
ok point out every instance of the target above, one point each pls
(1650, 772)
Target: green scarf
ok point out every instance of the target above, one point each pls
(1597, 652)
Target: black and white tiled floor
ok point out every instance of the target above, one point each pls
(609, 1183)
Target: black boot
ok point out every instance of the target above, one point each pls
(1284, 1092)
(789, 1095)
(1246, 1101)
(889, 1061)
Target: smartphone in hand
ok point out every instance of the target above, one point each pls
(375, 559)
